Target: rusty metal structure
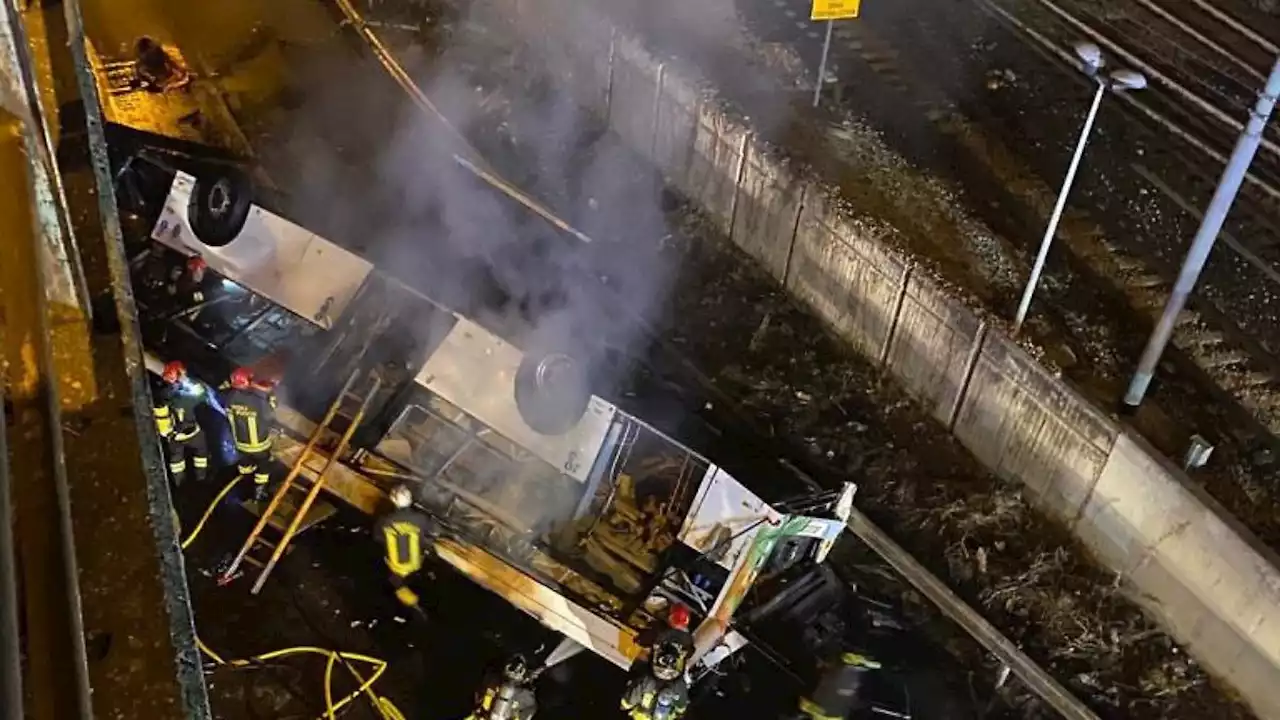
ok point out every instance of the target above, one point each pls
(112, 620)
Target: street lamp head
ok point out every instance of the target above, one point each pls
(1127, 80)
(1090, 56)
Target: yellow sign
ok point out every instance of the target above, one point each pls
(834, 9)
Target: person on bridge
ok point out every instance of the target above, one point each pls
(839, 690)
(175, 412)
(406, 535)
(155, 69)
(509, 697)
(251, 412)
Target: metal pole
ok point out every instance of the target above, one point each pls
(1210, 226)
(822, 66)
(1049, 231)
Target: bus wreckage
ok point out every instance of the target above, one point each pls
(576, 512)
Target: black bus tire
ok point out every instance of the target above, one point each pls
(552, 391)
(219, 206)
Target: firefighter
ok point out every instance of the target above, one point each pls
(669, 653)
(510, 698)
(662, 693)
(251, 412)
(675, 638)
(186, 285)
(656, 700)
(154, 68)
(175, 412)
(838, 692)
(406, 537)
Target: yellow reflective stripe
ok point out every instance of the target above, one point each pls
(251, 422)
(164, 425)
(200, 462)
(178, 466)
(402, 565)
(814, 710)
(407, 596)
(260, 447)
(161, 412)
(183, 437)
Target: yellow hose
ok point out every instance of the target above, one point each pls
(384, 706)
(209, 511)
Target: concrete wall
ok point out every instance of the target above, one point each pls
(1191, 566)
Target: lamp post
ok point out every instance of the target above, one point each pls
(1092, 62)
(1214, 216)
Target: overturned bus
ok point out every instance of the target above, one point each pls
(574, 511)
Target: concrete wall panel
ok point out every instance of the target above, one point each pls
(851, 282)
(768, 208)
(934, 346)
(712, 180)
(633, 95)
(1026, 425)
(1212, 585)
(678, 108)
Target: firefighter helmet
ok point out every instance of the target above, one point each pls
(174, 370)
(401, 496)
(666, 662)
(678, 618)
(517, 670)
(241, 377)
(664, 705)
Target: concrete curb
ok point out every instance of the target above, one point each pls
(1193, 568)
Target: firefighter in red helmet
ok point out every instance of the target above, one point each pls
(175, 413)
(251, 412)
(658, 687)
(187, 285)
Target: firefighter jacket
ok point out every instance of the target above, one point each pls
(839, 690)
(175, 409)
(406, 536)
(505, 701)
(251, 412)
(681, 640)
(648, 698)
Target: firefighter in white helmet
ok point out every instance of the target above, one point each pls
(406, 535)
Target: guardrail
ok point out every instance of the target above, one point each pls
(65, 389)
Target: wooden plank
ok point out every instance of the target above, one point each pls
(1026, 669)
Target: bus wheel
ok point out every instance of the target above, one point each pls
(552, 392)
(219, 206)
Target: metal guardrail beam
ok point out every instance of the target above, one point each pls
(66, 388)
(1026, 669)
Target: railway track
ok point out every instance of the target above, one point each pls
(1219, 331)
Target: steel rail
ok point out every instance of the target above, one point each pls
(1169, 83)
(1238, 26)
(1203, 39)
(1052, 49)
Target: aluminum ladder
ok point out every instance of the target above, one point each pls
(347, 409)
